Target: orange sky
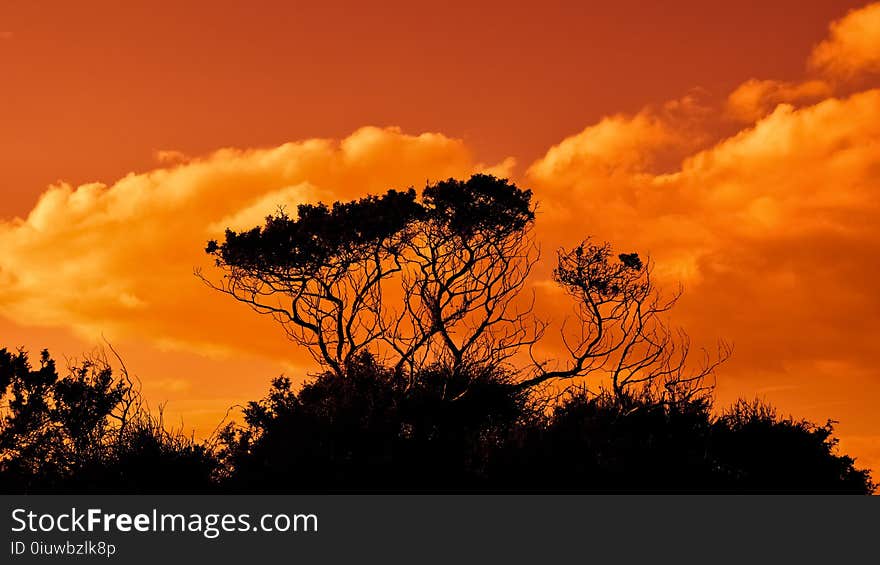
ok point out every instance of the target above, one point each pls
(738, 144)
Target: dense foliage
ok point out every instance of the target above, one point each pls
(374, 431)
(88, 431)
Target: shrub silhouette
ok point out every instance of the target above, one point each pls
(762, 452)
(372, 430)
(598, 443)
(88, 431)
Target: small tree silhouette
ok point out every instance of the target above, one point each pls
(619, 330)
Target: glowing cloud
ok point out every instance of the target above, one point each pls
(853, 47)
(757, 215)
(754, 99)
(771, 231)
(119, 259)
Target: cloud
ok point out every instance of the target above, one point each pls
(621, 145)
(853, 45)
(778, 217)
(118, 259)
(772, 231)
(171, 157)
(754, 99)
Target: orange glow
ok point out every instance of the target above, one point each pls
(738, 145)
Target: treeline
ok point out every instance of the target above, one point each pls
(88, 430)
(416, 307)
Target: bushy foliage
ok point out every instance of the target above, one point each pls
(759, 451)
(482, 203)
(595, 443)
(346, 230)
(343, 232)
(88, 431)
(372, 429)
(377, 429)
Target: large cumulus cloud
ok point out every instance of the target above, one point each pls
(853, 45)
(118, 260)
(772, 230)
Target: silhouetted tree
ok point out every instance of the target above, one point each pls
(319, 275)
(620, 332)
(466, 266)
(439, 281)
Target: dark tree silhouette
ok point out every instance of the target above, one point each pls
(319, 275)
(460, 257)
(440, 280)
(466, 267)
(619, 330)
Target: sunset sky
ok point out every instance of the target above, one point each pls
(736, 143)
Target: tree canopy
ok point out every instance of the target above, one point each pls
(441, 278)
